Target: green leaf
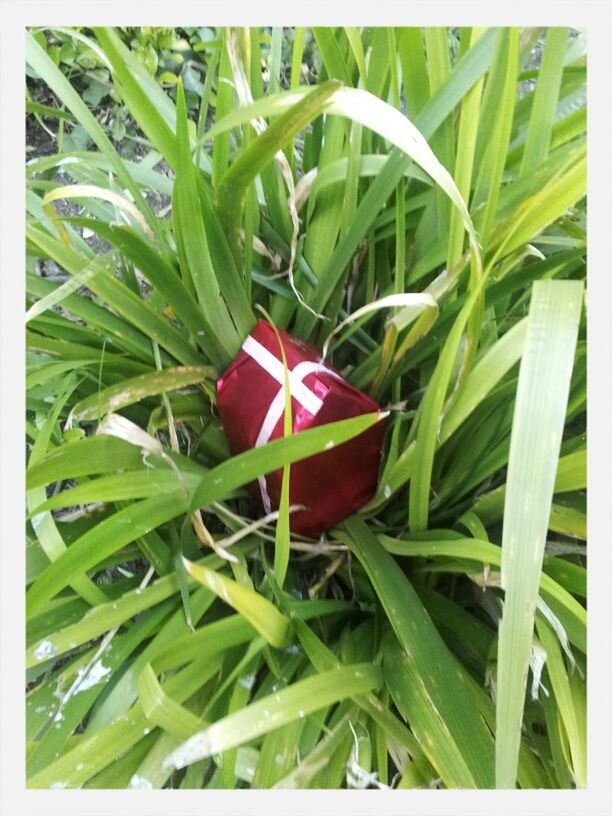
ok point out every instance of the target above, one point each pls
(323, 659)
(361, 106)
(414, 702)
(276, 710)
(73, 710)
(302, 775)
(130, 391)
(148, 104)
(331, 54)
(105, 538)
(427, 659)
(220, 331)
(58, 294)
(233, 185)
(282, 537)
(85, 457)
(162, 710)
(101, 322)
(54, 78)
(132, 308)
(43, 523)
(245, 467)
(571, 475)
(485, 375)
(430, 412)
(537, 429)
(544, 205)
(257, 610)
(559, 579)
(135, 484)
(155, 268)
(94, 752)
(561, 688)
(545, 100)
(497, 113)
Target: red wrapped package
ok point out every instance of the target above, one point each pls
(250, 398)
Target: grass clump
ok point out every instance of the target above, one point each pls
(437, 171)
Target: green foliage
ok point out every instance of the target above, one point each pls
(166, 54)
(174, 637)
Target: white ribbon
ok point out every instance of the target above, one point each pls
(297, 388)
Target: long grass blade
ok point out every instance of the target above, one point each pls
(534, 450)
(278, 709)
(427, 658)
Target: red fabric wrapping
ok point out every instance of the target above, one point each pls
(332, 484)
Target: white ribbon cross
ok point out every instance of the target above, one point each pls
(297, 388)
